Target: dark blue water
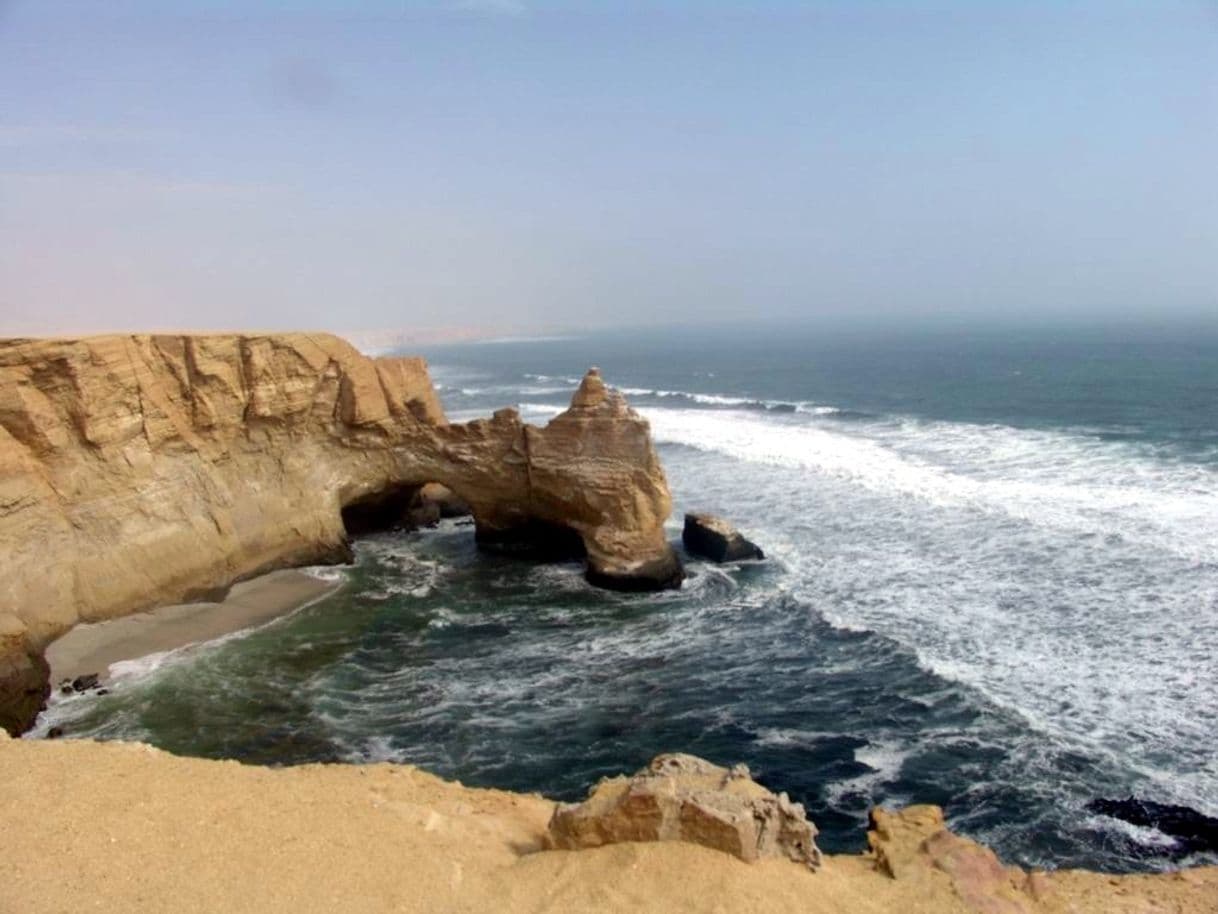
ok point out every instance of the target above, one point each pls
(992, 585)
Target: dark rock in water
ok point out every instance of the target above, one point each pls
(1192, 831)
(86, 682)
(661, 574)
(55, 733)
(533, 539)
(421, 514)
(716, 539)
(103, 691)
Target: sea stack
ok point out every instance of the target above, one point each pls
(715, 538)
(138, 471)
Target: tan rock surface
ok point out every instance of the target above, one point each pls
(138, 471)
(123, 827)
(685, 798)
(915, 847)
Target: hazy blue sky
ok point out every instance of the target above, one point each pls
(197, 164)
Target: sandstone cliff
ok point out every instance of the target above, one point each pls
(142, 470)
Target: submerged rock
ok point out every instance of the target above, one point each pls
(685, 798)
(86, 682)
(716, 539)
(1192, 832)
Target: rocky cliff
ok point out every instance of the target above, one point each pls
(143, 470)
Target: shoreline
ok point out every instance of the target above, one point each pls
(94, 647)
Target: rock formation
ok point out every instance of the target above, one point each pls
(142, 470)
(1191, 832)
(24, 676)
(685, 798)
(910, 844)
(716, 539)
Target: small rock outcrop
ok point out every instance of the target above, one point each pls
(137, 471)
(716, 539)
(24, 677)
(685, 798)
(915, 843)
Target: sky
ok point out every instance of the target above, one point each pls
(215, 164)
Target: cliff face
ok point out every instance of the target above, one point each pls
(142, 470)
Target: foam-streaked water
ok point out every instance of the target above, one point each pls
(992, 584)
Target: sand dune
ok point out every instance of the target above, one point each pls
(125, 827)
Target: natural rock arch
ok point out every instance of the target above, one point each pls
(137, 471)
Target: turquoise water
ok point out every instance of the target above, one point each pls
(992, 584)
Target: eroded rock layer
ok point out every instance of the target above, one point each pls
(143, 470)
(681, 797)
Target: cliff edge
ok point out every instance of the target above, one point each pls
(142, 470)
(125, 827)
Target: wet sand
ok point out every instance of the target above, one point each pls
(93, 647)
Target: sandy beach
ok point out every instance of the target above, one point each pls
(94, 647)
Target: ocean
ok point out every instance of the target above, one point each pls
(991, 583)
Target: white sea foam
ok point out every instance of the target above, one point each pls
(566, 380)
(883, 761)
(1070, 579)
(1147, 837)
(1041, 478)
(725, 400)
(328, 573)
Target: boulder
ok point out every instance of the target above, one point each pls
(447, 502)
(716, 539)
(685, 798)
(86, 682)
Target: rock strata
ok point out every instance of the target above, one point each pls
(716, 539)
(685, 798)
(138, 471)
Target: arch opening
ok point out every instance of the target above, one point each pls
(404, 506)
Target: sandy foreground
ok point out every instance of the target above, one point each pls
(92, 648)
(125, 827)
